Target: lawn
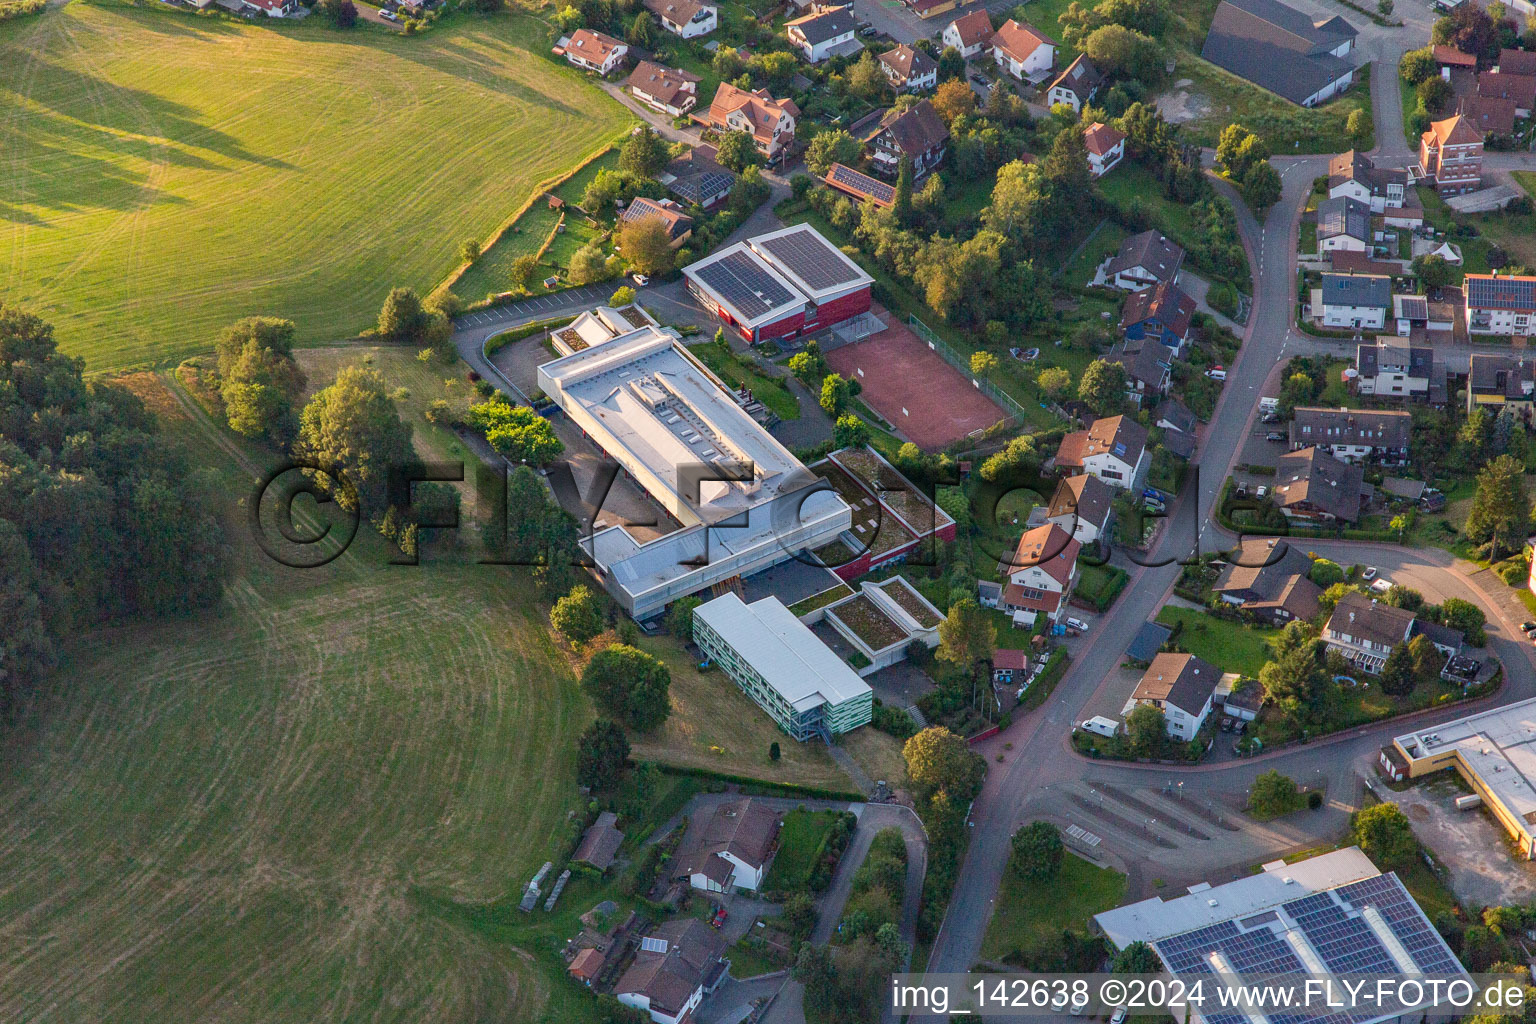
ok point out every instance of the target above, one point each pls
(242, 816)
(1030, 913)
(1410, 101)
(1230, 646)
(1100, 584)
(741, 371)
(1288, 128)
(146, 209)
(801, 841)
(1132, 181)
(1104, 243)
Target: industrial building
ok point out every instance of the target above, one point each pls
(736, 499)
(1332, 914)
(781, 285)
(780, 664)
(1494, 751)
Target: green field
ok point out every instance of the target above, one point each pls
(1032, 913)
(1286, 127)
(166, 175)
(801, 841)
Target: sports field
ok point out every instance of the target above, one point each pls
(163, 175)
(257, 816)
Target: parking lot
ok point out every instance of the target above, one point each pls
(593, 294)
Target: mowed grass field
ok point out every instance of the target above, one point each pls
(259, 815)
(162, 176)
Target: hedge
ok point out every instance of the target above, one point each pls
(500, 341)
(769, 788)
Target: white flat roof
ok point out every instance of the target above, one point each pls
(783, 650)
(1498, 746)
(656, 409)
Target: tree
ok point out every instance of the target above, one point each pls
(1358, 124)
(1397, 676)
(1325, 573)
(1122, 51)
(967, 636)
(340, 13)
(515, 431)
(260, 391)
(1399, 524)
(901, 202)
(1037, 851)
(1434, 94)
(679, 617)
(953, 100)
(1054, 381)
(1273, 794)
(849, 432)
(938, 760)
(1261, 185)
(1298, 389)
(1290, 677)
(1423, 659)
(815, 970)
(590, 264)
(1136, 958)
(469, 250)
(833, 146)
(1473, 31)
(602, 756)
(1019, 453)
(835, 392)
(776, 67)
(631, 684)
(578, 616)
(352, 428)
(866, 80)
(1147, 729)
(1501, 509)
(1463, 615)
(622, 296)
(736, 151)
(645, 152)
(807, 364)
(1383, 834)
(773, 751)
(1238, 149)
(1432, 271)
(265, 331)
(727, 63)
(1418, 65)
(402, 318)
(951, 65)
(642, 31)
(522, 270)
(983, 363)
(1385, 8)
(1103, 386)
(646, 246)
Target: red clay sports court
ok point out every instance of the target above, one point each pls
(913, 387)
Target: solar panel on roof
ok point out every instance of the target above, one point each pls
(743, 283)
(862, 184)
(809, 258)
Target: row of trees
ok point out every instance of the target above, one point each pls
(100, 518)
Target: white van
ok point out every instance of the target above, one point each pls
(1101, 725)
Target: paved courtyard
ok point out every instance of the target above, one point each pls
(1476, 850)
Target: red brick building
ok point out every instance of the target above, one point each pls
(1451, 154)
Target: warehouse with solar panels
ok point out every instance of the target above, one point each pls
(1333, 914)
(782, 285)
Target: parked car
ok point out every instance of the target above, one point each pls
(1526, 627)
(1119, 1017)
(980, 79)
(1369, 574)
(1274, 435)
(1077, 624)
(389, 15)
(718, 919)
(1262, 492)
(640, 279)
(1270, 417)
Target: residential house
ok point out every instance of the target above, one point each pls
(695, 177)
(1114, 449)
(687, 18)
(989, 594)
(1076, 86)
(1356, 301)
(1106, 148)
(1356, 176)
(1343, 223)
(1148, 369)
(595, 51)
(1348, 261)
(1500, 303)
(1183, 687)
(1448, 57)
(1283, 50)
(1365, 631)
(969, 33)
(668, 90)
(1270, 583)
(276, 8)
(1313, 486)
(1171, 414)
(1161, 313)
(1519, 90)
(917, 133)
(678, 964)
(1497, 381)
(732, 850)
(770, 122)
(679, 225)
(587, 965)
(827, 33)
(1516, 62)
(1354, 435)
(1419, 313)
(1451, 156)
(1009, 666)
(909, 69)
(1393, 366)
(1022, 51)
(1083, 505)
(1144, 260)
(860, 187)
(1041, 574)
(600, 842)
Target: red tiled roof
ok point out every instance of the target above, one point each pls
(1454, 57)
(1051, 548)
(975, 27)
(1019, 41)
(1005, 657)
(1100, 138)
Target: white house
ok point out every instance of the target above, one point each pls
(1144, 260)
(1041, 574)
(733, 850)
(1183, 686)
(1365, 631)
(1076, 86)
(969, 33)
(1114, 449)
(1355, 301)
(1394, 367)
(1353, 175)
(668, 90)
(909, 69)
(1022, 52)
(686, 18)
(1500, 304)
(595, 51)
(1106, 148)
(827, 33)
(678, 963)
(1083, 505)
(1343, 223)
